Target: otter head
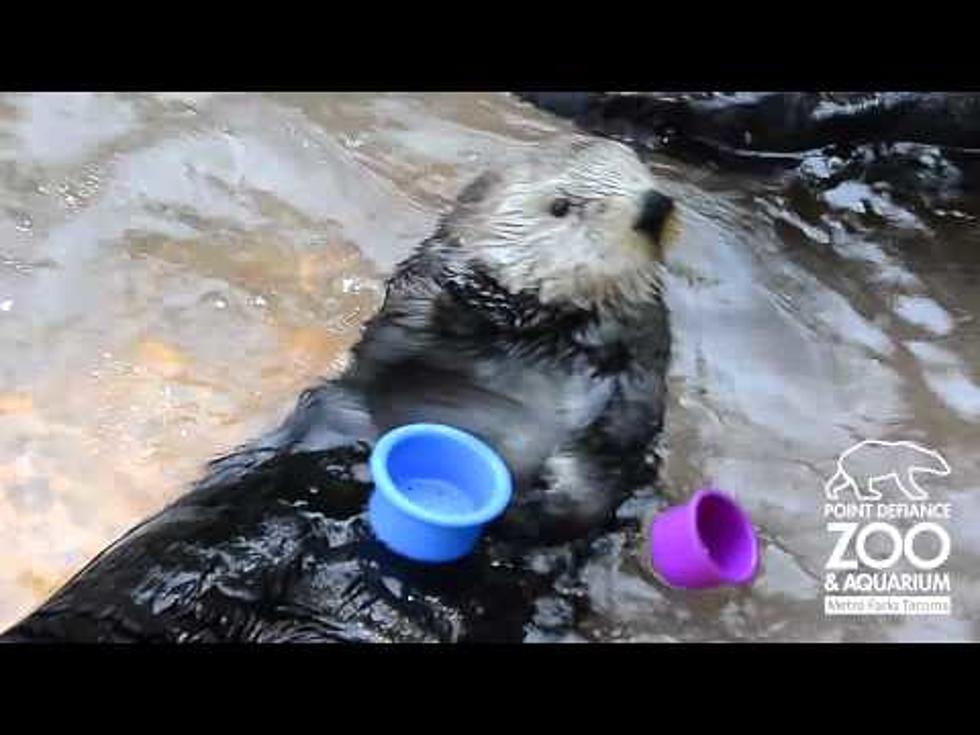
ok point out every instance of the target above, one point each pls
(579, 221)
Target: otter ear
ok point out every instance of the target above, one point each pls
(478, 189)
(579, 143)
(473, 193)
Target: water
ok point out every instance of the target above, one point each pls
(438, 496)
(175, 268)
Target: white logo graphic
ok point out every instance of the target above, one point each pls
(889, 554)
(873, 461)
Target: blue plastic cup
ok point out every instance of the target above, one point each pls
(435, 488)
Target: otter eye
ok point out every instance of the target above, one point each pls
(560, 207)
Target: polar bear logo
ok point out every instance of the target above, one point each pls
(872, 461)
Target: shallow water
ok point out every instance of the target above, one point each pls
(174, 268)
(439, 496)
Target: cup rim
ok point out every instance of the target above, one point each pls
(693, 505)
(501, 487)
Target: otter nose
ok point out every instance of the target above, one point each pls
(653, 212)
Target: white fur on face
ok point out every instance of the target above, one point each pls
(592, 255)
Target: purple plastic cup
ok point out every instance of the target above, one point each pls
(706, 542)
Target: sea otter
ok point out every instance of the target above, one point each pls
(532, 318)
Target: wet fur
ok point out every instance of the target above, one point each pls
(272, 544)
